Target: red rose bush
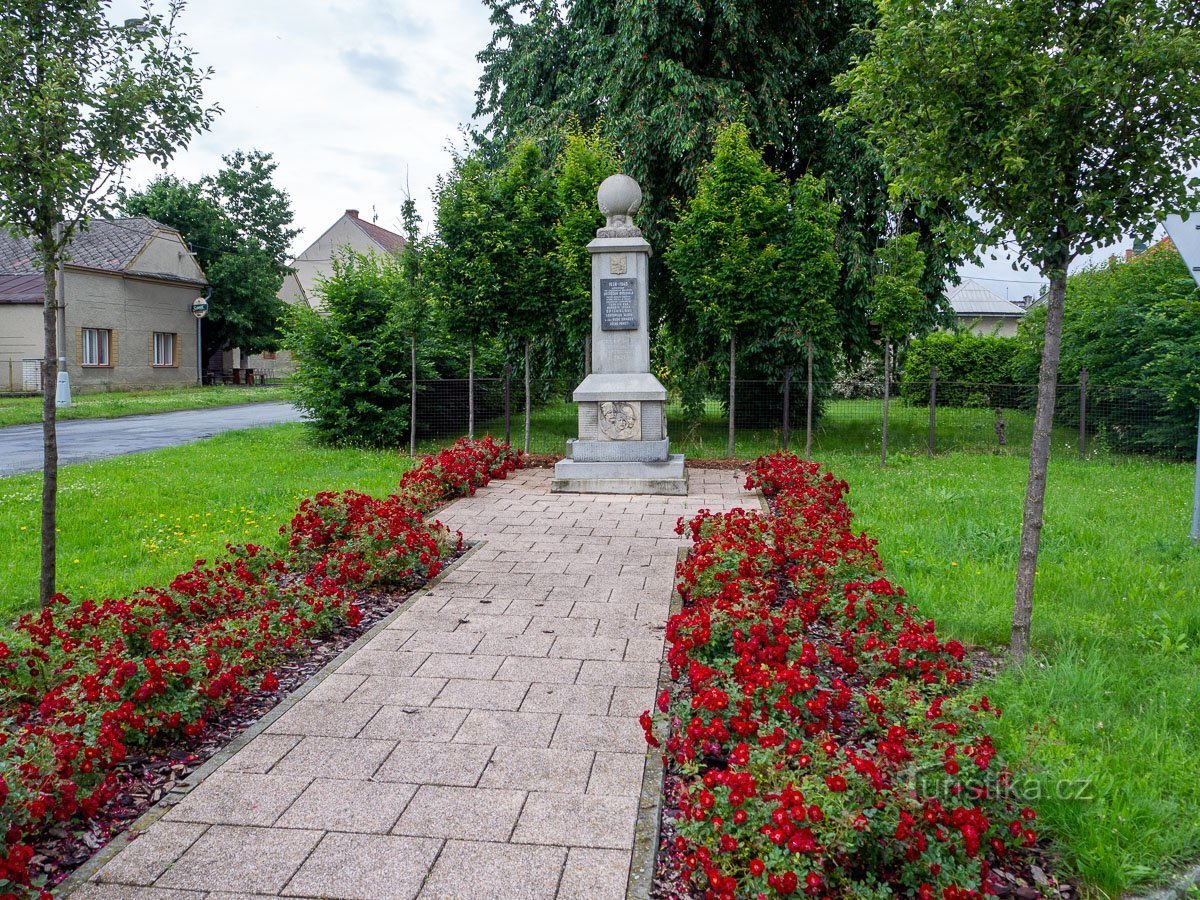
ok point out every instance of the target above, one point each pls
(84, 682)
(824, 742)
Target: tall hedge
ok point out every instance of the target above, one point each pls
(973, 370)
(1135, 326)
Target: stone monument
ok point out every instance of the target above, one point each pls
(622, 446)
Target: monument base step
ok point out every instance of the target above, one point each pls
(667, 477)
(618, 451)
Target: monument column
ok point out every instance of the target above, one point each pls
(622, 445)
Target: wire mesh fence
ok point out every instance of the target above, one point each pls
(922, 417)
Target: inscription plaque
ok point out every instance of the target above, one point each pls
(618, 304)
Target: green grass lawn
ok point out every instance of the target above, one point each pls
(112, 405)
(141, 519)
(1109, 706)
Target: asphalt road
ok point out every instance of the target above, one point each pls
(82, 440)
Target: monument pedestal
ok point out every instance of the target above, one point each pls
(622, 446)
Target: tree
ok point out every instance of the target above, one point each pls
(237, 222)
(352, 358)
(1063, 124)
(412, 307)
(586, 160)
(527, 295)
(896, 304)
(461, 266)
(726, 249)
(80, 99)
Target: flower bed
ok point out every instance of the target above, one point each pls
(85, 682)
(819, 731)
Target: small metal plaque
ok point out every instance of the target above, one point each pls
(618, 304)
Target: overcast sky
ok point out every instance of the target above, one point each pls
(358, 99)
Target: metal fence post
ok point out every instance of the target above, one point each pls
(412, 404)
(787, 405)
(932, 410)
(1083, 381)
(808, 401)
(508, 403)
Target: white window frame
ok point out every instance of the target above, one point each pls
(97, 348)
(164, 350)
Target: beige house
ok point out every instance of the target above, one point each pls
(128, 288)
(983, 311)
(315, 263)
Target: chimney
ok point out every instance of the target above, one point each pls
(1128, 255)
(352, 213)
(1027, 301)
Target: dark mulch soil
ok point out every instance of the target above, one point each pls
(731, 465)
(145, 779)
(1026, 878)
(541, 460)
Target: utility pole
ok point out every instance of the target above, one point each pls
(1186, 237)
(62, 387)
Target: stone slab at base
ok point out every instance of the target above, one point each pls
(574, 477)
(618, 451)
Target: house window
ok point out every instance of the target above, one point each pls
(96, 344)
(269, 355)
(164, 349)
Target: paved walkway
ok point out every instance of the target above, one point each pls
(485, 744)
(82, 440)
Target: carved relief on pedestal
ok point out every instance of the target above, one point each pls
(620, 420)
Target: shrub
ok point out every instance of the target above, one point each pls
(1134, 327)
(973, 370)
(88, 680)
(819, 725)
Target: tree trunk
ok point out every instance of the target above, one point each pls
(46, 582)
(412, 397)
(808, 404)
(1039, 456)
(528, 402)
(887, 379)
(732, 391)
(471, 391)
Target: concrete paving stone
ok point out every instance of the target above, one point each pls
(541, 568)
(572, 627)
(231, 858)
(238, 799)
(531, 668)
(334, 804)
(542, 608)
(599, 733)
(563, 771)
(463, 590)
(467, 606)
(598, 821)
(507, 729)
(409, 723)
(323, 719)
(595, 874)
(460, 665)
(502, 579)
(384, 662)
(567, 647)
(653, 612)
(588, 609)
(452, 764)
(630, 628)
(334, 758)
(617, 774)
(149, 854)
(93, 891)
(645, 650)
(632, 701)
(474, 564)
(621, 674)
(462, 813)
(337, 686)
(365, 867)
(443, 642)
(469, 870)
(516, 644)
(261, 753)
(495, 624)
(583, 699)
(464, 693)
(384, 690)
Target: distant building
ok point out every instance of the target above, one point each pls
(129, 288)
(983, 311)
(316, 262)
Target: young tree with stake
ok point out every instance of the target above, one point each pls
(896, 303)
(80, 99)
(1061, 125)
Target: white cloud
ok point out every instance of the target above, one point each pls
(357, 99)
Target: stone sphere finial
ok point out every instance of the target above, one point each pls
(619, 197)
